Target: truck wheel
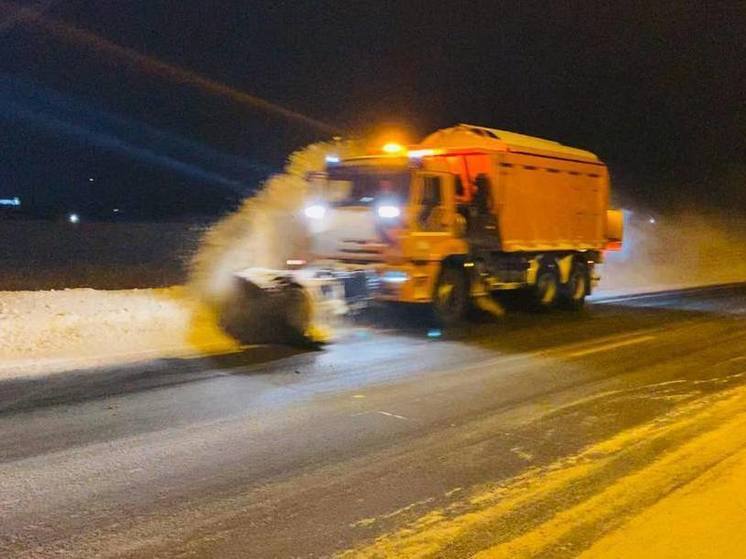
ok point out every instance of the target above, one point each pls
(546, 289)
(573, 293)
(451, 297)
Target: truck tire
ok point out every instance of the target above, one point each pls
(572, 294)
(546, 289)
(451, 296)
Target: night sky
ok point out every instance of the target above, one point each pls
(657, 89)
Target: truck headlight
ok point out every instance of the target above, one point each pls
(315, 211)
(389, 212)
(394, 276)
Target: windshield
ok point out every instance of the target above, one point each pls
(364, 187)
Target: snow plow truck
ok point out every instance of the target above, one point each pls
(466, 212)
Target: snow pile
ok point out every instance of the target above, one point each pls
(48, 331)
(676, 251)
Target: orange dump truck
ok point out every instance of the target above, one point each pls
(468, 211)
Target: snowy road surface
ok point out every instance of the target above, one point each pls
(535, 435)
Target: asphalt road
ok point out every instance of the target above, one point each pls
(315, 453)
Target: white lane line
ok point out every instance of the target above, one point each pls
(387, 414)
(612, 345)
(593, 342)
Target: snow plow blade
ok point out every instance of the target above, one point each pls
(288, 307)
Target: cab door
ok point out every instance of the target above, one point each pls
(432, 217)
(433, 204)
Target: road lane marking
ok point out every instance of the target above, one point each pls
(612, 345)
(381, 412)
(518, 451)
(365, 522)
(388, 414)
(503, 359)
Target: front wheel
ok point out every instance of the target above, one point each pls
(451, 296)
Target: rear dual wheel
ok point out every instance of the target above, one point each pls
(573, 293)
(451, 294)
(549, 292)
(546, 289)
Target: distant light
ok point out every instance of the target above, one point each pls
(366, 199)
(389, 212)
(15, 201)
(315, 211)
(393, 147)
(418, 153)
(73, 218)
(295, 262)
(651, 220)
(434, 333)
(91, 179)
(332, 159)
(115, 210)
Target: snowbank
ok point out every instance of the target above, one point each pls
(49, 331)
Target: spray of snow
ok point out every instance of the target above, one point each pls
(265, 232)
(675, 251)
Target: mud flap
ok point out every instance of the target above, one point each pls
(482, 300)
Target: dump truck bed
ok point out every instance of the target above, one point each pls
(545, 196)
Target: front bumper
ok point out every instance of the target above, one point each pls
(407, 283)
(410, 283)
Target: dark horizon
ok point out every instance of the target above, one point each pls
(656, 91)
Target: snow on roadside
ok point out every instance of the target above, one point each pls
(43, 332)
